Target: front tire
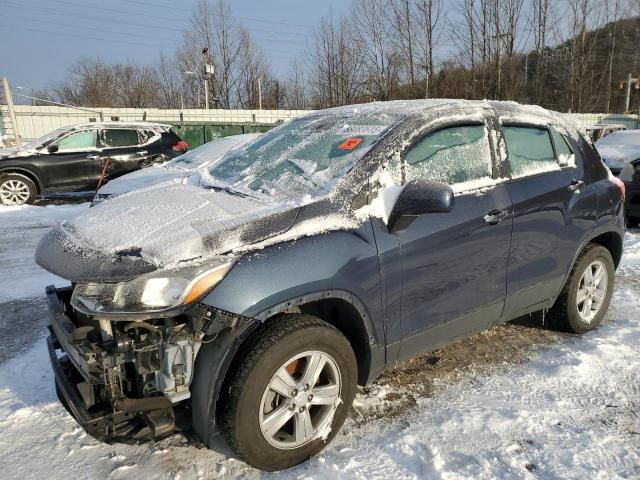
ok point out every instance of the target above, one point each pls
(585, 298)
(290, 393)
(16, 189)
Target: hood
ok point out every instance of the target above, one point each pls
(145, 177)
(13, 152)
(155, 228)
(618, 157)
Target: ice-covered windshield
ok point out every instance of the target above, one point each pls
(303, 156)
(628, 138)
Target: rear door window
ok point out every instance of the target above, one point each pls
(452, 155)
(564, 153)
(120, 138)
(529, 150)
(78, 141)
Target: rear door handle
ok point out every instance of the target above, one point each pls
(495, 216)
(576, 185)
(142, 153)
(93, 157)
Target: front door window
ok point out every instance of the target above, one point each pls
(85, 140)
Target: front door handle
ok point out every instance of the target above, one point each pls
(495, 216)
(93, 157)
(576, 185)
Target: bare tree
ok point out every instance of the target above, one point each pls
(296, 91)
(403, 31)
(382, 61)
(428, 19)
(336, 64)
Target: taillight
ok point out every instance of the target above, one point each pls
(620, 184)
(181, 146)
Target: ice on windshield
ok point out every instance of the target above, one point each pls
(302, 157)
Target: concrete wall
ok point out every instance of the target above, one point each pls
(34, 122)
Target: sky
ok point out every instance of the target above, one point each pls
(42, 38)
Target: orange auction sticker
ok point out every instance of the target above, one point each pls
(350, 143)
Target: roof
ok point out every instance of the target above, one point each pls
(406, 108)
(147, 125)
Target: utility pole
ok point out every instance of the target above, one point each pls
(613, 46)
(12, 112)
(426, 82)
(259, 93)
(627, 90)
(208, 69)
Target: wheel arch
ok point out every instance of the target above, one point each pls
(25, 172)
(609, 238)
(215, 360)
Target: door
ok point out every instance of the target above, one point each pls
(123, 147)
(453, 264)
(554, 208)
(73, 160)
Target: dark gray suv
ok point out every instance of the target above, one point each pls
(252, 298)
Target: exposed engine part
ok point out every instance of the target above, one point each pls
(177, 361)
(105, 330)
(142, 404)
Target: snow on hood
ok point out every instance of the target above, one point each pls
(618, 157)
(13, 152)
(156, 228)
(141, 178)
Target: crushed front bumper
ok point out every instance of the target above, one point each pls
(89, 382)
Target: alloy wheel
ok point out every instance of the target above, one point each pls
(300, 400)
(592, 291)
(14, 192)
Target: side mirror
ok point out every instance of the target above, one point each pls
(419, 197)
(52, 148)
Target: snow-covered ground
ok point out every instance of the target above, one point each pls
(515, 402)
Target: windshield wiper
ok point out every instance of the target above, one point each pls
(229, 190)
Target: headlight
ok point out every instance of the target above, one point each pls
(154, 292)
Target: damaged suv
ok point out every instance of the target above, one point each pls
(252, 298)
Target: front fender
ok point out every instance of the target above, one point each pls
(341, 263)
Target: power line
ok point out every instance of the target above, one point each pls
(143, 14)
(48, 22)
(126, 42)
(275, 22)
(124, 22)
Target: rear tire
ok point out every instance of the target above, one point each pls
(292, 359)
(585, 297)
(16, 189)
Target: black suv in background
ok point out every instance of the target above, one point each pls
(72, 159)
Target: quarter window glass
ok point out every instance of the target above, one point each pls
(78, 141)
(530, 150)
(120, 138)
(149, 134)
(452, 155)
(563, 150)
